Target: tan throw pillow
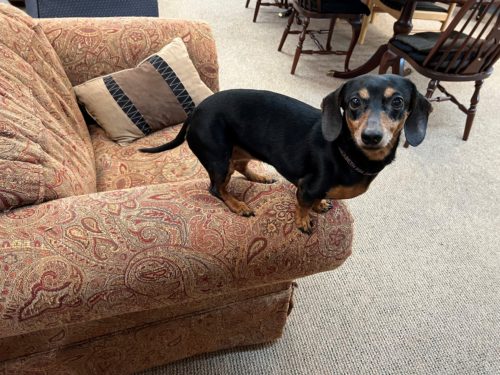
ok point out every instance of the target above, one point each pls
(161, 91)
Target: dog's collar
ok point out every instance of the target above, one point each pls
(353, 165)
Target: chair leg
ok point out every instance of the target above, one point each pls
(302, 37)
(398, 67)
(364, 29)
(471, 112)
(366, 21)
(330, 34)
(287, 29)
(431, 87)
(385, 63)
(246, 5)
(444, 23)
(356, 29)
(257, 7)
(389, 60)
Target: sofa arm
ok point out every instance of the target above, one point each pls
(93, 256)
(91, 47)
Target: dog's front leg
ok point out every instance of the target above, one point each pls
(302, 218)
(304, 205)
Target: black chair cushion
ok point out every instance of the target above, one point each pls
(421, 5)
(418, 46)
(340, 7)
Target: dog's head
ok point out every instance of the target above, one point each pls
(376, 108)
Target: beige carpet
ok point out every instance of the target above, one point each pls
(420, 294)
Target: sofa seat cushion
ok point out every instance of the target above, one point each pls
(123, 167)
(45, 147)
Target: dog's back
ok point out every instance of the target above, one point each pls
(265, 124)
(248, 109)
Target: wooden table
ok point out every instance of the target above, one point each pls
(403, 25)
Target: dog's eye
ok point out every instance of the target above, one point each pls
(354, 103)
(397, 102)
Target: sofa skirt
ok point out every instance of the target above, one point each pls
(153, 338)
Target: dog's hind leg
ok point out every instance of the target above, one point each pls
(242, 167)
(322, 205)
(240, 161)
(218, 184)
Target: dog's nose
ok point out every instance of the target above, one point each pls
(371, 137)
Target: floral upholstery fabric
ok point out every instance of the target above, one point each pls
(122, 167)
(247, 321)
(94, 47)
(93, 256)
(45, 148)
(55, 337)
(150, 268)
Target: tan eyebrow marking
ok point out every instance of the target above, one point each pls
(363, 93)
(389, 92)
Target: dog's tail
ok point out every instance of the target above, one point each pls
(177, 141)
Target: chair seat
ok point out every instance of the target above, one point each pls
(466, 50)
(342, 7)
(421, 5)
(418, 46)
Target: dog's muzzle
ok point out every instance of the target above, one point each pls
(373, 133)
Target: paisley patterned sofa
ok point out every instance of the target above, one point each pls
(112, 261)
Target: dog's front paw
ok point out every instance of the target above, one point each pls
(322, 206)
(247, 213)
(268, 180)
(304, 224)
(244, 210)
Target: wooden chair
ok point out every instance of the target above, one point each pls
(277, 3)
(465, 51)
(304, 10)
(424, 11)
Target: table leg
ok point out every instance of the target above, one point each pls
(404, 25)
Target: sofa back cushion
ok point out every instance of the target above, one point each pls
(45, 147)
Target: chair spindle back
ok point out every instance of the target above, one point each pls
(474, 47)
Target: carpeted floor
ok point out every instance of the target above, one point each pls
(420, 294)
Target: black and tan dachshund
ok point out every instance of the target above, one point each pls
(333, 153)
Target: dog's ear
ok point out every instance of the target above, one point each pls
(331, 119)
(416, 123)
